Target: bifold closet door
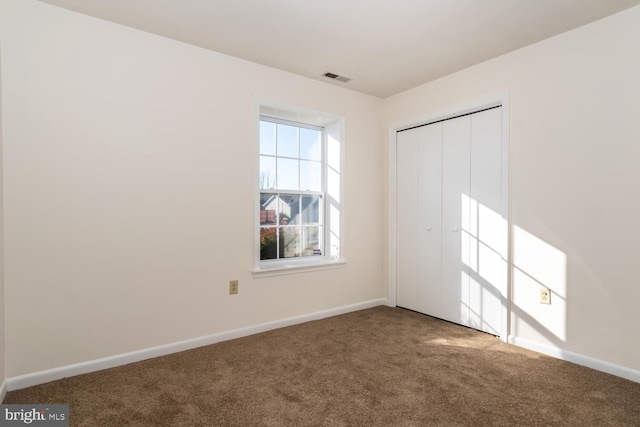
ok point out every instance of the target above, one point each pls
(419, 219)
(488, 230)
(450, 234)
(407, 219)
(430, 219)
(456, 187)
(474, 232)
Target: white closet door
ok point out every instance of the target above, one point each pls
(430, 219)
(487, 227)
(456, 166)
(407, 219)
(451, 236)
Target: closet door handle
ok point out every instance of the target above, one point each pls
(455, 229)
(428, 228)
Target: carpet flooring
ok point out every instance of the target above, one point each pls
(377, 367)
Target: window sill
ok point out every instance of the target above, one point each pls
(282, 268)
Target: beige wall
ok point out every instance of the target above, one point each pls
(575, 169)
(129, 190)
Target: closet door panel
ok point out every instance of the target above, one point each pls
(456, 179)
(407, 219)
(430, 219)
(488, 228)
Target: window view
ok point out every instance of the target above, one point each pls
(291, 190)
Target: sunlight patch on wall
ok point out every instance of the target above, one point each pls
(538, 264)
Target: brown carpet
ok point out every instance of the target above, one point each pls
(377, 367)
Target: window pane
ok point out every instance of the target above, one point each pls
(310, 177)
(268, 243)
(289, 209)
(267, 172)
(268, 209)
(311, 241)
(290, 241)
(310, 144)
(287, 141)
(287, 174)
(267, 138)
(311, 209)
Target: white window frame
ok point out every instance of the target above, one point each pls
(333, 192)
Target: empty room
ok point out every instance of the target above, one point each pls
(283, 212)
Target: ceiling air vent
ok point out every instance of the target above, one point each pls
(337, 77)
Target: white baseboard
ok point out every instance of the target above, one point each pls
(41, 377)
(579, 359)
(3, 390)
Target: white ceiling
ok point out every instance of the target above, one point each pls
(385, 46)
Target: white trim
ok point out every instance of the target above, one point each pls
(506, 213)
(3, 390)
(502, 101)
(579, 359)
(392, 202)
(40, 377)
(279, 269)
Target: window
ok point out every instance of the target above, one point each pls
(299, 188)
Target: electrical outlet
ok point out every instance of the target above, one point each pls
(545, 296)
(233, 287)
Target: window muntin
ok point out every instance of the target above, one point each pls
(291, 190)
